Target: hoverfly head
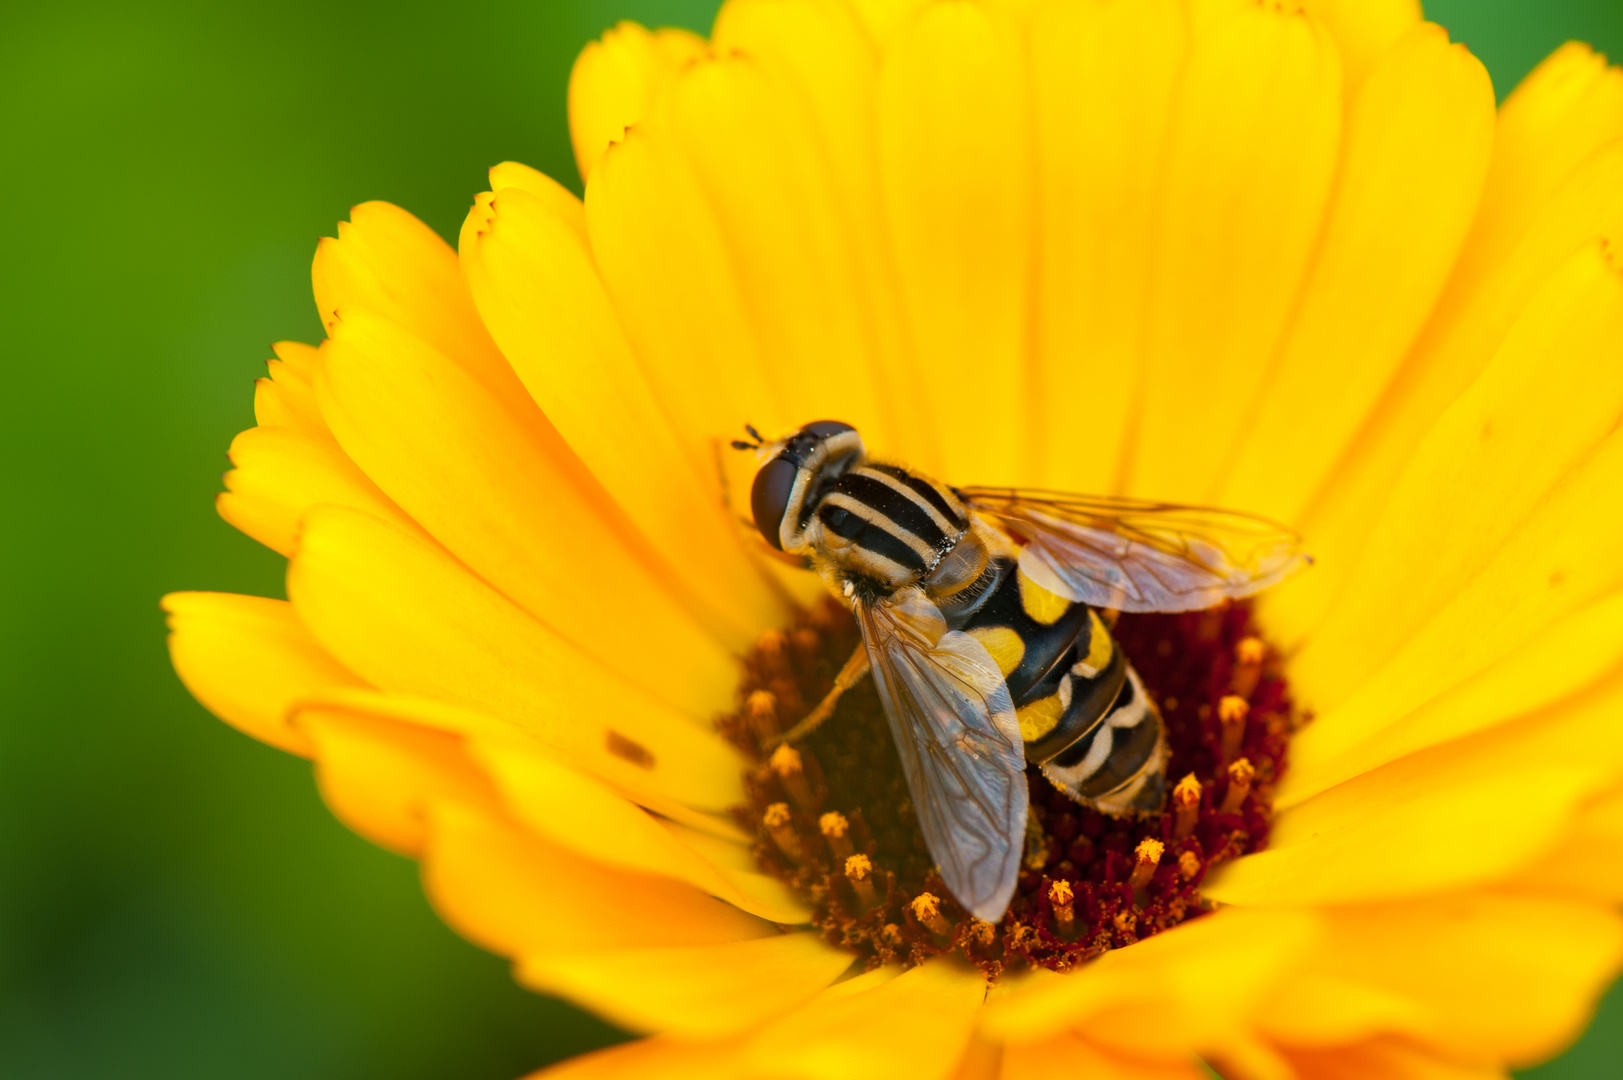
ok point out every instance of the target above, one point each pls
(794, 472)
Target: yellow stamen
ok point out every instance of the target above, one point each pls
(1063, 898)
(773, 648)
(777, 820)
(806, 642)
(1149, 853)
(1231, 713)
(834, 828)
(1186, 806)
(1240, 776)
(926, 909)
(1248, 657)
(1189, 865)
(785, 761)
(761, 710)
(859, 872)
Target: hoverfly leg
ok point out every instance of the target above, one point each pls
(851, 674)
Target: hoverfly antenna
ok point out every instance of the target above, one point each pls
(740, 444)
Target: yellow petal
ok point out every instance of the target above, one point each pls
(754, 153)
(412, 620)
(380, 778)
(1365, 30)
(913, 1025)
(389, 263)
(1376, 843)
(281, 472)
(287, 396)
(1249, 172)
(517, 895)
(664, 1056)
(1208, 16)
(533, 278)
(1418, 142)
(764, 894)
(477, 728)
(1554, 389)
(583, 814)
(882, 18)
(981, 1060)
(677, 294)
(1562, 560)
(1479, 976)
(248, 659)
(558, 202)
(1189, 989)
(822, 62)
(1589, 860)
(1318, 1008)
(696, 992)
(1104, 78)
(616, 80)
(1071, 1055)
(1564, 111)
(955, 153)
(380, 766)
(1532, 220)
(1439, 819)
(1568, 656)
(1390, 1059)
(499, 488)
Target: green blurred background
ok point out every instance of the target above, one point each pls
(174, 900)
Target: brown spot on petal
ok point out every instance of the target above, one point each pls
(629, 750)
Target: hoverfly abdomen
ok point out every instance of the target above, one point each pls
(1119, 764)
(1030, 650)
(1083, 715)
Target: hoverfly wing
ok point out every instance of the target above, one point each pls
(954, 727)
(1136, 555)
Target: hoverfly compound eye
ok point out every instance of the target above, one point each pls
(824, 428)
(800, 466)
(769, 498)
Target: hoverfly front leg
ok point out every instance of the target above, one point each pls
(851, 674)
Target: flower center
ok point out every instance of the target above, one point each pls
(834, 820)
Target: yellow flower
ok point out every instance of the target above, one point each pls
(1218, 251)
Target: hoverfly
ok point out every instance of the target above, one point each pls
(979, 613)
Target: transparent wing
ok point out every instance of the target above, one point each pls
(954, 727)
(1134, 555)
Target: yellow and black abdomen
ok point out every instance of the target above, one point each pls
(1084, 715)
